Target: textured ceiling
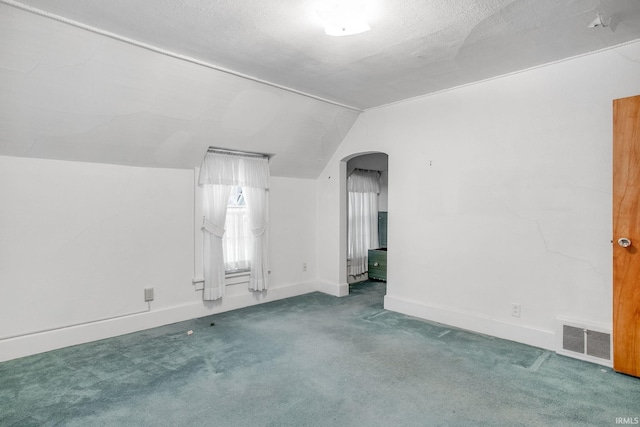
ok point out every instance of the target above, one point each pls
(156, 82)
(415, 47)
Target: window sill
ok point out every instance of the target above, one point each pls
(236, 273)
(237, 278)
(230, 278)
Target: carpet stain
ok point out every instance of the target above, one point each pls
(539, 361)
(373, 316)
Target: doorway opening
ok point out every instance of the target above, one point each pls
(366, 217)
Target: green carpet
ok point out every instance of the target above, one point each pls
(313, 360)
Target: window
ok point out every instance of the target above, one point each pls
(235, 190)
(237, 239)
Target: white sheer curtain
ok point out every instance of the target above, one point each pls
(237, 240)
(257, 202)
(363, 188)
(218, 174)
(215, 201)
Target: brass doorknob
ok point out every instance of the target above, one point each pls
(624, 242)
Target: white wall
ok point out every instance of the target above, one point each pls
(292, 230)
(79, 242)
(500, 193)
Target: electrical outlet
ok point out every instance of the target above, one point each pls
(148, 294)
(515, 310)
(304, 266)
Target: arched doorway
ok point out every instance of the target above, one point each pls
(356, 269)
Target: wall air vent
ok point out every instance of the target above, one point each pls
(584, 341)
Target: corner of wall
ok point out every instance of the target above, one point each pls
(335, 289)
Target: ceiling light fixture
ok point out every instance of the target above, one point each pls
(344, 18)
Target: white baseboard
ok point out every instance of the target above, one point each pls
(473, 322)
(26, 345)
(335, 289)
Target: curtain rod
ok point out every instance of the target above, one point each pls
(363, 170)
(366, 170)
(237, 153)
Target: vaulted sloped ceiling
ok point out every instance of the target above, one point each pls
(155, 82)
(71, 94)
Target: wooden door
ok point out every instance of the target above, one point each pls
(626, 225)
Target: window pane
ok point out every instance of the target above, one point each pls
(237, 239)
(236, 198)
